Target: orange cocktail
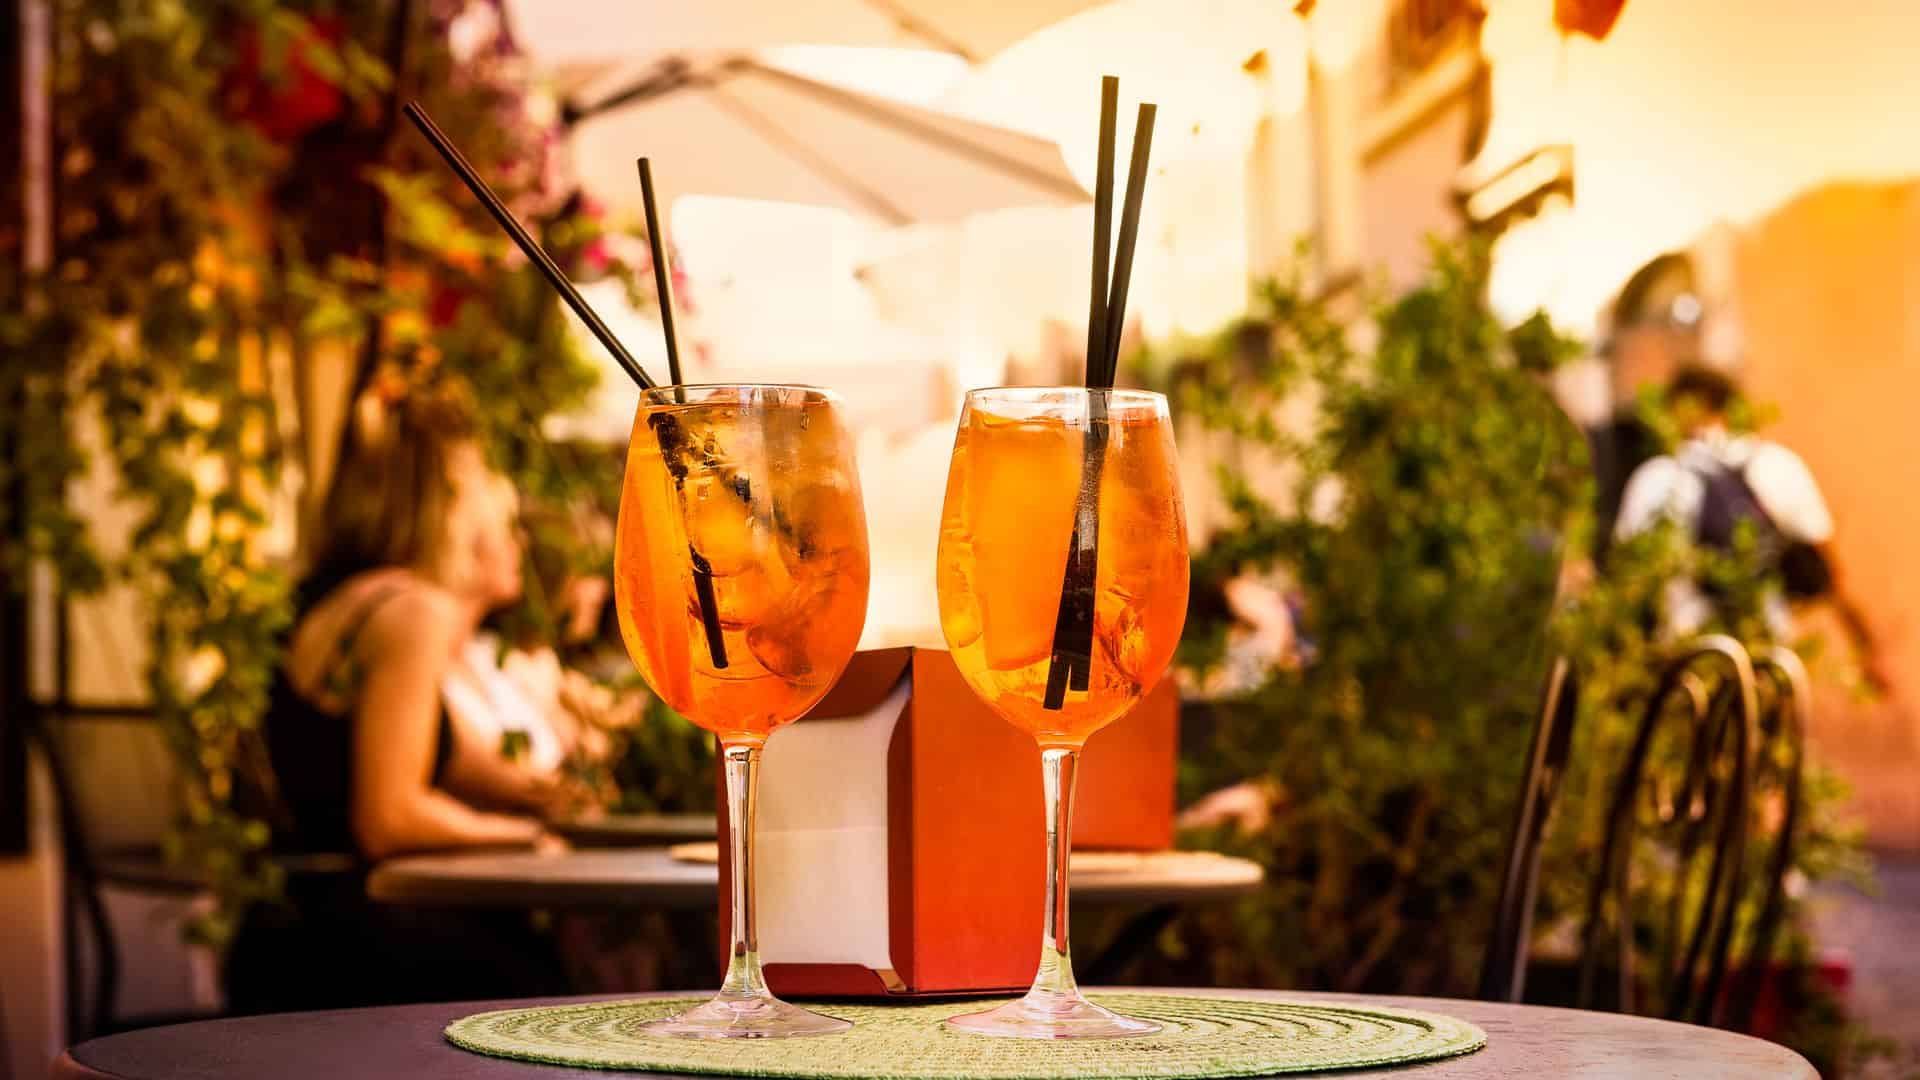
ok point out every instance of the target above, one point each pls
(740, 576)
(1004, 536)
(760, 497)
(1063, 590)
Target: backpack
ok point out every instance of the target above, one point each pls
(1726, 502)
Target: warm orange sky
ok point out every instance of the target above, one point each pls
(1692, 112)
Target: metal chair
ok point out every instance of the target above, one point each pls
(1711, 685)
(1503, 974)
(87, 1009)
(1710, 805)
(1779, 766)
(93, 989)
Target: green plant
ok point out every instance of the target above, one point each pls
(1429, 521)
(239, 218)
(665, 764)
(1429, 503)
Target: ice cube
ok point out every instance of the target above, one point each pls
(804, 436)
(822, 516)
(959, 609)
(814, 626)
(1122, 634)
(751, 591)
(721, 526)
(1019, 508)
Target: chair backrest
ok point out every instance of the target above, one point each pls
(1503, 973)
(114, 781)
(87, 1007)
(1706, 815)
(1778, 772)
(1707, 695)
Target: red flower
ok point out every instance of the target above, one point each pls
(1594, 18)
(285, 104)
(444, 303)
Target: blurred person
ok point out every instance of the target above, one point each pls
(528, 719)
(515, 734)
(1262, 633)
(420, 543)
(1655, 334)
(1263, 636)
(512, 738)
(371, 754)
(1714, 483)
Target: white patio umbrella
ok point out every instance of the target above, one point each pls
(740, 127)
(1214, 68)
(559, 32)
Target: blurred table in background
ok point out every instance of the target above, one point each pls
(594, 878)
(635, 830)
(656, 878)
(687, 878)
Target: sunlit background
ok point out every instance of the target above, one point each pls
(891, 197)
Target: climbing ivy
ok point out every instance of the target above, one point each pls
(239, 221)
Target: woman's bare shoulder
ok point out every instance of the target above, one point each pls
(417, 617)
(370, 613)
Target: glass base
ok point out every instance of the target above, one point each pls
(744, 1017)
(1052, 1016)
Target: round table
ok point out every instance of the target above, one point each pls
(635, 830)
(405, 1041)
(653, 878)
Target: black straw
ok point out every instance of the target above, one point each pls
(1102, 229)
(662, 274)
(1070, 665)
(535, 253)
(672, 439)
(1129, 233)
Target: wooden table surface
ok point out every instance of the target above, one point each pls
(635, 830)
(405, 1042)
(652, 878)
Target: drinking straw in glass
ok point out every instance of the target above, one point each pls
(758, 482)
(1005, 530)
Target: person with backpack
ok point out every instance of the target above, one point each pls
(1715, 483)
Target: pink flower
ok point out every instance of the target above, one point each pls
(597, 255)
(682, 296)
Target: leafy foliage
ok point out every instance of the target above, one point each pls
(1432, 497)
(667, 764)
(239, 215)
(1429, 523)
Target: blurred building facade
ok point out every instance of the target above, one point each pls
(1736, 150)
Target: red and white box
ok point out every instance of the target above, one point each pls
(901, 847)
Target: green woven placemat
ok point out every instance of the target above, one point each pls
(1202, 1037)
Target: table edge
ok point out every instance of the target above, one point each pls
(71, 1065)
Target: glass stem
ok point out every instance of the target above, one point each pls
(1054, 979)
(743, 949)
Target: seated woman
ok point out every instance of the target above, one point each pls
(529, 729)
(420, 543)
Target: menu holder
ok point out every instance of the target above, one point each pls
(899, 852)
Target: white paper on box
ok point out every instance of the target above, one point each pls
(821, 841)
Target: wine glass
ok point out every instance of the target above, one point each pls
(740, 578)
(1063, 589)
